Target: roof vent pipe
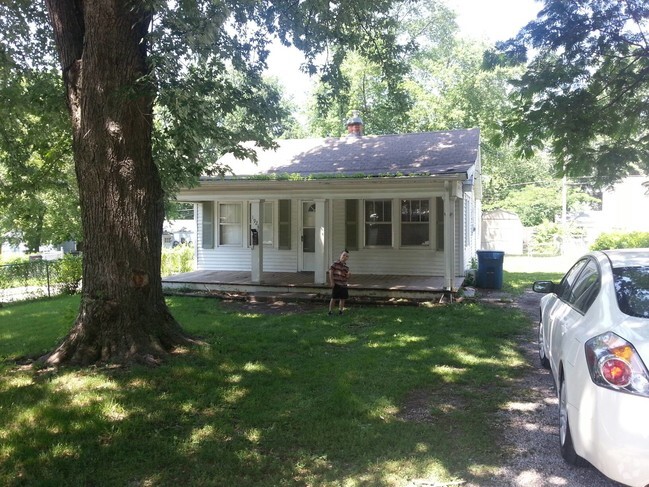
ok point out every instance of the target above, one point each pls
(355, 125)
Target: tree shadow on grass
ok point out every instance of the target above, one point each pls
(275, 400)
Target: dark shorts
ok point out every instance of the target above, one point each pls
(339, 292)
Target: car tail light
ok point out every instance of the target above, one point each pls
(615, 364)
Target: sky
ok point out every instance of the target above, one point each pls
(490, 20)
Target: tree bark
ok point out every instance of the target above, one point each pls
(123, 317)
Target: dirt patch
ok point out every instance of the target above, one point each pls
(274, 307)
(424, 406)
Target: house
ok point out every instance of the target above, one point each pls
(176, 232)
(403, 205)
(624, 203)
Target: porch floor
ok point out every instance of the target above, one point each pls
(361, 285)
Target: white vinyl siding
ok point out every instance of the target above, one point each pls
(414, 261)
(238, 258)
(398, 258)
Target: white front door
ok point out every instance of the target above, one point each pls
(307, 240)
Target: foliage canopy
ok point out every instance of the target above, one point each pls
(586, 86)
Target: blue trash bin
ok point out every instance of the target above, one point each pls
(490, 269)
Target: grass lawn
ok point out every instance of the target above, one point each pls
(371, 398)
(517, 282)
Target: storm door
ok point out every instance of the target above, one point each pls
(307, 244)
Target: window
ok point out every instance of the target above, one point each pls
(415, 226)
(378, 223)
(284, 225)
(586, 288)
(208, 225)
(308, 226)
(230, 224)
(632, 290)
(439, 223)
(351, 224)
(565, 290)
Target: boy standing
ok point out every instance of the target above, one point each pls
(338, 277)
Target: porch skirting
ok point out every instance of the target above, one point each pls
(360, 285)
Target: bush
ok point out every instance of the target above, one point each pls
(69, 271)
(546, 239)
(13, 259)
(41, 277)
(19, 273)
(177, 260)
(619, 240)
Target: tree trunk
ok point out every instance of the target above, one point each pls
(123, 317)
(35, 234)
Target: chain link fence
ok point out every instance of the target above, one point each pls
(38, 278)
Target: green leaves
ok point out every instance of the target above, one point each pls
(585, 91)
(38, 197)
(207, 60)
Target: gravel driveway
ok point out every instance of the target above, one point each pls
(532, 423)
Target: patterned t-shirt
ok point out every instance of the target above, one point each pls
(339, 272)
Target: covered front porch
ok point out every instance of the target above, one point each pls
(361, 286)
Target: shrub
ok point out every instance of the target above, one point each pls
(546, 239)
(69, 271)
(64, 273)
(177, 260)
(13, 259)
(619, 240)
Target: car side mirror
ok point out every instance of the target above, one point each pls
(543, 287)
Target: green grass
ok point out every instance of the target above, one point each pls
(372, 398)
(517, 282)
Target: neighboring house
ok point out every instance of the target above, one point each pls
(176, 232)
(626, 204)
(401, 204)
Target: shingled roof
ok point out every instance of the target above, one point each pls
(426, 153)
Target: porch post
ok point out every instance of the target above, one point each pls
(449, 234)
(257, 251)
(320, 273)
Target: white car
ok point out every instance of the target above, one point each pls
(594, 336)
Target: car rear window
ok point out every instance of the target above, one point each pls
(632, 290)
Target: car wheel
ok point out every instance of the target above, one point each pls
(567, 448)
(545, 363)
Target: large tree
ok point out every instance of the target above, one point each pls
(191, 68)
(585, 93)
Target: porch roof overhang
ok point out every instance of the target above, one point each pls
(339, 186)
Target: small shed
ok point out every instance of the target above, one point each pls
(502, 230)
